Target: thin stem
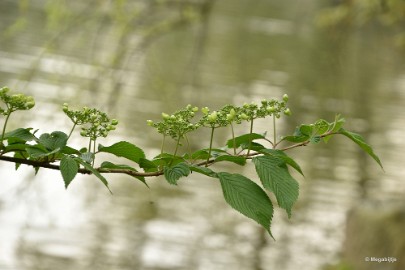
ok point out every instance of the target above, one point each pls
(71, 131)
(188, 145)
(234, 140)
(89, 150)
(175, 150)
(94, 151)
(209, 151)
(250, 134)
(274, 132)
(163, 144)
(4, 127)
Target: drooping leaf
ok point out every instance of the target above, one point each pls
(16, 147)
(284, 157)
(20, 133)
(166, 159)
(243, 139)
(235, 159)
(94, 171)
(359, 140)
(53, 141)
(110, 165)
(68, 169)
(247, 197)
(252, 146)
(203, 170)
(173, 174)
(276, 178)
(70, 151)
(148, 165)
(39, 152)
(124, 149)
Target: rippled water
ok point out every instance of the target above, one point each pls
(245, 57)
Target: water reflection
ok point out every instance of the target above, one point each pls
(219, 52)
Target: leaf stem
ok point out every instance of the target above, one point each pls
(175, 150)
(71, 131)
(250, 135)
(4, 127)
(209, 151)
(234, 140)
(274, 132)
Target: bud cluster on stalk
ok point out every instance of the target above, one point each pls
(95, 123)
(15, 102)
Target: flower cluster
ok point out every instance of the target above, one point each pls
(15, 102)
(177, 124)
(95, 123)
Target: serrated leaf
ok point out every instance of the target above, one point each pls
(53, 141)
(284, 157)
(90, 168)
(243, 139)
(276, 178)
(110, 165)
(203, 170)
(166, 159)
(235, 159)
(68, 169)
(247, 197)
(315, 139)
(124, 149)
(359, 140)
(173, 174)
(20, 133)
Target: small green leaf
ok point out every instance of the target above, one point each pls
(243, 139)
(321, 126)
(88, 157)
(203, 170)
(68, 169)
(247, 197)
(148, 165)
(173, 174)
(306, 130)
(315, 139)
(53, 141)
(94, 171)
(276, 178)
(20, 133)
(110, 165)
(359, 140)
(235, 159)
(296, 138)
(124, 149)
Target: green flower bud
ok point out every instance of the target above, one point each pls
(165, 116)
(110, 127)
(114, 122)
(285, 97)
(188, 107)
(172, 117)
(230, 117)
(232, 112)
(205, 110)
(287, 112)
(30, 104)
(213, 116)
(83, 133)
(270, 109)
(149, 123)
(243, 116)
(195, 109)
(4, 90)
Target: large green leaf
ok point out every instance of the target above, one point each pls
(247, 197)
(148, 165)
(68, 169)
(94, 171)
(53, 141)
(124, 149)
(275, 177)
(173, 174)
(284, 157)
(20, 133)
(359, 140)
(243, 139)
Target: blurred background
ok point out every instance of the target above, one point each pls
(137, 58)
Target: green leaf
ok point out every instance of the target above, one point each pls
(16, 147)
(284, 157)
(110, 165)
(306, 130)
(148, 165)
(173, 174)
(68, 169)
(315, 139)
(235, 159)
(275, 177)
(203, 170)
(247, 197)
(53, 141)
(87, 156)
(296, 138)
(70, 151)
(39, 152)
(20, 133)
(322, 126)
(166, 159)
(252, 146)
(243, 139)
(94, 171)
(124, 149)
(359, 140)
